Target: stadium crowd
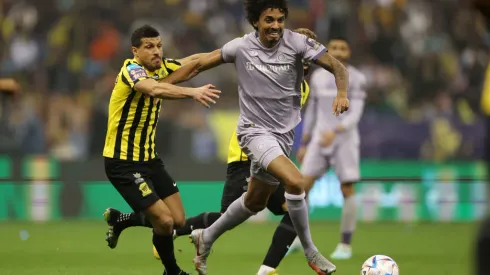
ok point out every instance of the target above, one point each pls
(425, 62)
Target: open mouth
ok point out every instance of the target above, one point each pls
(274, 34)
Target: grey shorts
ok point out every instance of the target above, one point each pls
(262, 147)
(343, 157)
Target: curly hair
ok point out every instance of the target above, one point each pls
(254, 8)
(307, 32)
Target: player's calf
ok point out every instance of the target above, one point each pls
(163, 223)
(118, 222)
(343, 251)
(257, 195)
(201, 221)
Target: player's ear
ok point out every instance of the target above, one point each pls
(135, 51)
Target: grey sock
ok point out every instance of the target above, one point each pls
(236, 214)
(298, 210)
(349, 219)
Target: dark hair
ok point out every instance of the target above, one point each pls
(145, 31)
(341, 38)
(254, 8)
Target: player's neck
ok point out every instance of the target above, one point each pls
(266, 43)
(146, 68)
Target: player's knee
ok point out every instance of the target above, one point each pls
(163, 224)
(295, 185)
(179, 222)
(347, 189)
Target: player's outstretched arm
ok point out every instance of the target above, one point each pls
(195, 57)
(195, 65)
(203, 95)
(329, 63)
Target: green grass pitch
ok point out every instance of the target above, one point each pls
(78, 248)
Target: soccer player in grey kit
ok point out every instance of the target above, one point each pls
(334, 141)
(270, 71)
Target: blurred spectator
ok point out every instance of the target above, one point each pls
(424, 60)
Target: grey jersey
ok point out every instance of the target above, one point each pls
(323, 90)
(269, 79)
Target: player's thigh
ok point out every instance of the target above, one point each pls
(168, 191)
(263, 149)
(315, 164)
(277, 201)
(237, 177)
(132, 180)
(346, 163)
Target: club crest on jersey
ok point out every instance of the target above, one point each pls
(281, 57)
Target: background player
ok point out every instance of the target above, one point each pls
(131, 162)
(334, 140)
(269, 66)
(238, 173)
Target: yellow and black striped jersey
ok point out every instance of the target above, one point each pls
(235, 153)
(133, 116)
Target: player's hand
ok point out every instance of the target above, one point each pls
(300, 155)
(327, 138)
(340, 105)
(206, 95)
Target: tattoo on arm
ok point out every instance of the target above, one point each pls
(334, 66)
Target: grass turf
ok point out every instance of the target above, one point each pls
(74, 247)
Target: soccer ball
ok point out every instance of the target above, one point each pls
(379, 265)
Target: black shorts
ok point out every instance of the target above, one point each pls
(236, 184)
(141, 183)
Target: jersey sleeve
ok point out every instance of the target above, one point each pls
(133, 73)
(171, 65)
(309, 49)
(228, 51)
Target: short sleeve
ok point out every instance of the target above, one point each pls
(228, 51)
(171, 65)
(309, 49)
(133, 73)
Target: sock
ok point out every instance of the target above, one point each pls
(483, 248)
(236, 214)
(282, 239)
(348, 220)
(264, 270)
(203, 220)
(126, 220)
(165, 247)
(298, 210)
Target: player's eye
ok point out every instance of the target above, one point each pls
(281, 20)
